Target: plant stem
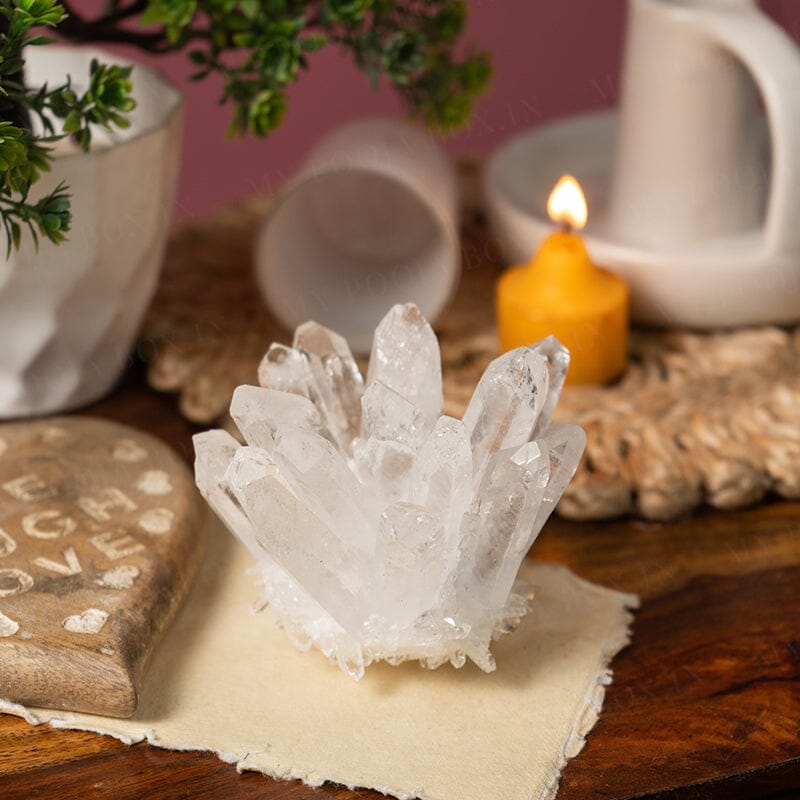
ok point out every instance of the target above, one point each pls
(103, 29)
(123, 12)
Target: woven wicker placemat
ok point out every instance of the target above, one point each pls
(697, 419)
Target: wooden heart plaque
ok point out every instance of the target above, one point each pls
(100, 538)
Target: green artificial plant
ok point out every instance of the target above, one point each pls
(258, 47)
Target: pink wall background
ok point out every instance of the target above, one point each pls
(551, 58)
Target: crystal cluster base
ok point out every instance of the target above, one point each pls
(382, 529)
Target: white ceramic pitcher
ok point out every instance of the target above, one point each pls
(690, 164)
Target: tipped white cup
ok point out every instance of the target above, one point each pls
(370, 221)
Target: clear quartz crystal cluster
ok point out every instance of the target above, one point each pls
(383, 529)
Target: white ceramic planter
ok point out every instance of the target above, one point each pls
(69, 313)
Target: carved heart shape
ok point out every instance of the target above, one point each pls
(154, 481)
(89, 621)
(99, 542)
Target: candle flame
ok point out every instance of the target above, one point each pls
(567, 203)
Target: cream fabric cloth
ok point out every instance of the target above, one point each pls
(226, 680)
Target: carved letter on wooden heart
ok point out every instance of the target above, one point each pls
(100, 537)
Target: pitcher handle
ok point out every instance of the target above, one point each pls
(773, 59)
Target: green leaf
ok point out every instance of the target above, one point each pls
(175, 15)
(475, 74)
(265, 112)
(403, 55)
(312, 43)
(73, 122)
(449, 22)
(250, 8)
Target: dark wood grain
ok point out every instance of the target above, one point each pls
(705, 703)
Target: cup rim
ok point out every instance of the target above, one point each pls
(449, 227)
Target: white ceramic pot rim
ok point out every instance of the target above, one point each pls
(171, 98)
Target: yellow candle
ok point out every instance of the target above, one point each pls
(561, 292)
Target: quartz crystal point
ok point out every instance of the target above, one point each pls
(404, 349)
(382, 529)
(336, 384)
(261, 413)
(506, 405)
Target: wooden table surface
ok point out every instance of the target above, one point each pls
(705, 703)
